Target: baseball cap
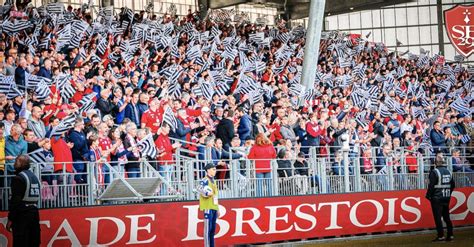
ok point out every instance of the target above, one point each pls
(209, 166)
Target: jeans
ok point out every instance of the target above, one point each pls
(382, 180)
(64, 182)
(316, 180)
(102, 177)
(119, 171)
(106, 172)
(338, 168)
(264, 179)
(165, 172)
(133, 172)
(80, 169)
(48, 177)
(400, 180)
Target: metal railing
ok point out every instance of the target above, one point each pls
(236, 178)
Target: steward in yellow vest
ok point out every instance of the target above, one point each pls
(208, 202)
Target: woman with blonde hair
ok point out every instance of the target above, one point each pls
(263, 152)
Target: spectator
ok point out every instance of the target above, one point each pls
(151, 117)
(105, 149)
(118, 154)
(143, 102)
(45, 70)
(367, 162)
(338, 164)
(20, 74)
(450, 139)
(36, 124)
(63, 159)
(406, 125)
(9, 67)
(205, 119)
(263, 126)
(394, 126)
(9, 122)
(301, 165)
(79, 151)
(411, 157)
(225, 129)
(92, 127)
(95, 157)
(383, 159)
(245, 124)
(224, 156)
(165, 147)
(165, 157)
(336, 135)
(15, 145)
(458, 163)
(378, 130)
(207, 153)
(121, 104)
(132, 167)
(437, 137)
(33, 143)
(104, 105)
(287, 131)
(314, 131)
(284, 164)
(17, 105)
(263, 152)
(184, 128)
(132, 111)
(47, 168)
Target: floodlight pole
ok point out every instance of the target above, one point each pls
(311, 50)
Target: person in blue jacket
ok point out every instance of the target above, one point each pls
(209, 145)
(438, 141)
(132, 111)
(79, 151)
(45, 71)
(245, 125)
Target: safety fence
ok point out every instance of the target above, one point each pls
(236, 178)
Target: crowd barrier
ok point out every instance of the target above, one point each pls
(278, 206)
(236, 178)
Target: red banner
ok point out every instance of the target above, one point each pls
(245, 220)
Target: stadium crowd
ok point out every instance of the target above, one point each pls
(75, 89)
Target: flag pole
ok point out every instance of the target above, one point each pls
(25, 100)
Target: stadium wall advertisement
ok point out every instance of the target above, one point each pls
(245, 220)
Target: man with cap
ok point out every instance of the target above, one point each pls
(23, 216)
(208, 202)
(440, 187)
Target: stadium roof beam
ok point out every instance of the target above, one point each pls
(297, 9)
(217, 4)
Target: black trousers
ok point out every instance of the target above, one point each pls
(26, 228)
(441, 210)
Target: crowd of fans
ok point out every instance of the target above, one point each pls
(228, 86)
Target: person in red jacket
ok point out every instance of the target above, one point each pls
(151, 117)
(62, 154)
(165, 156)
(263, 152)
(62, 165)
